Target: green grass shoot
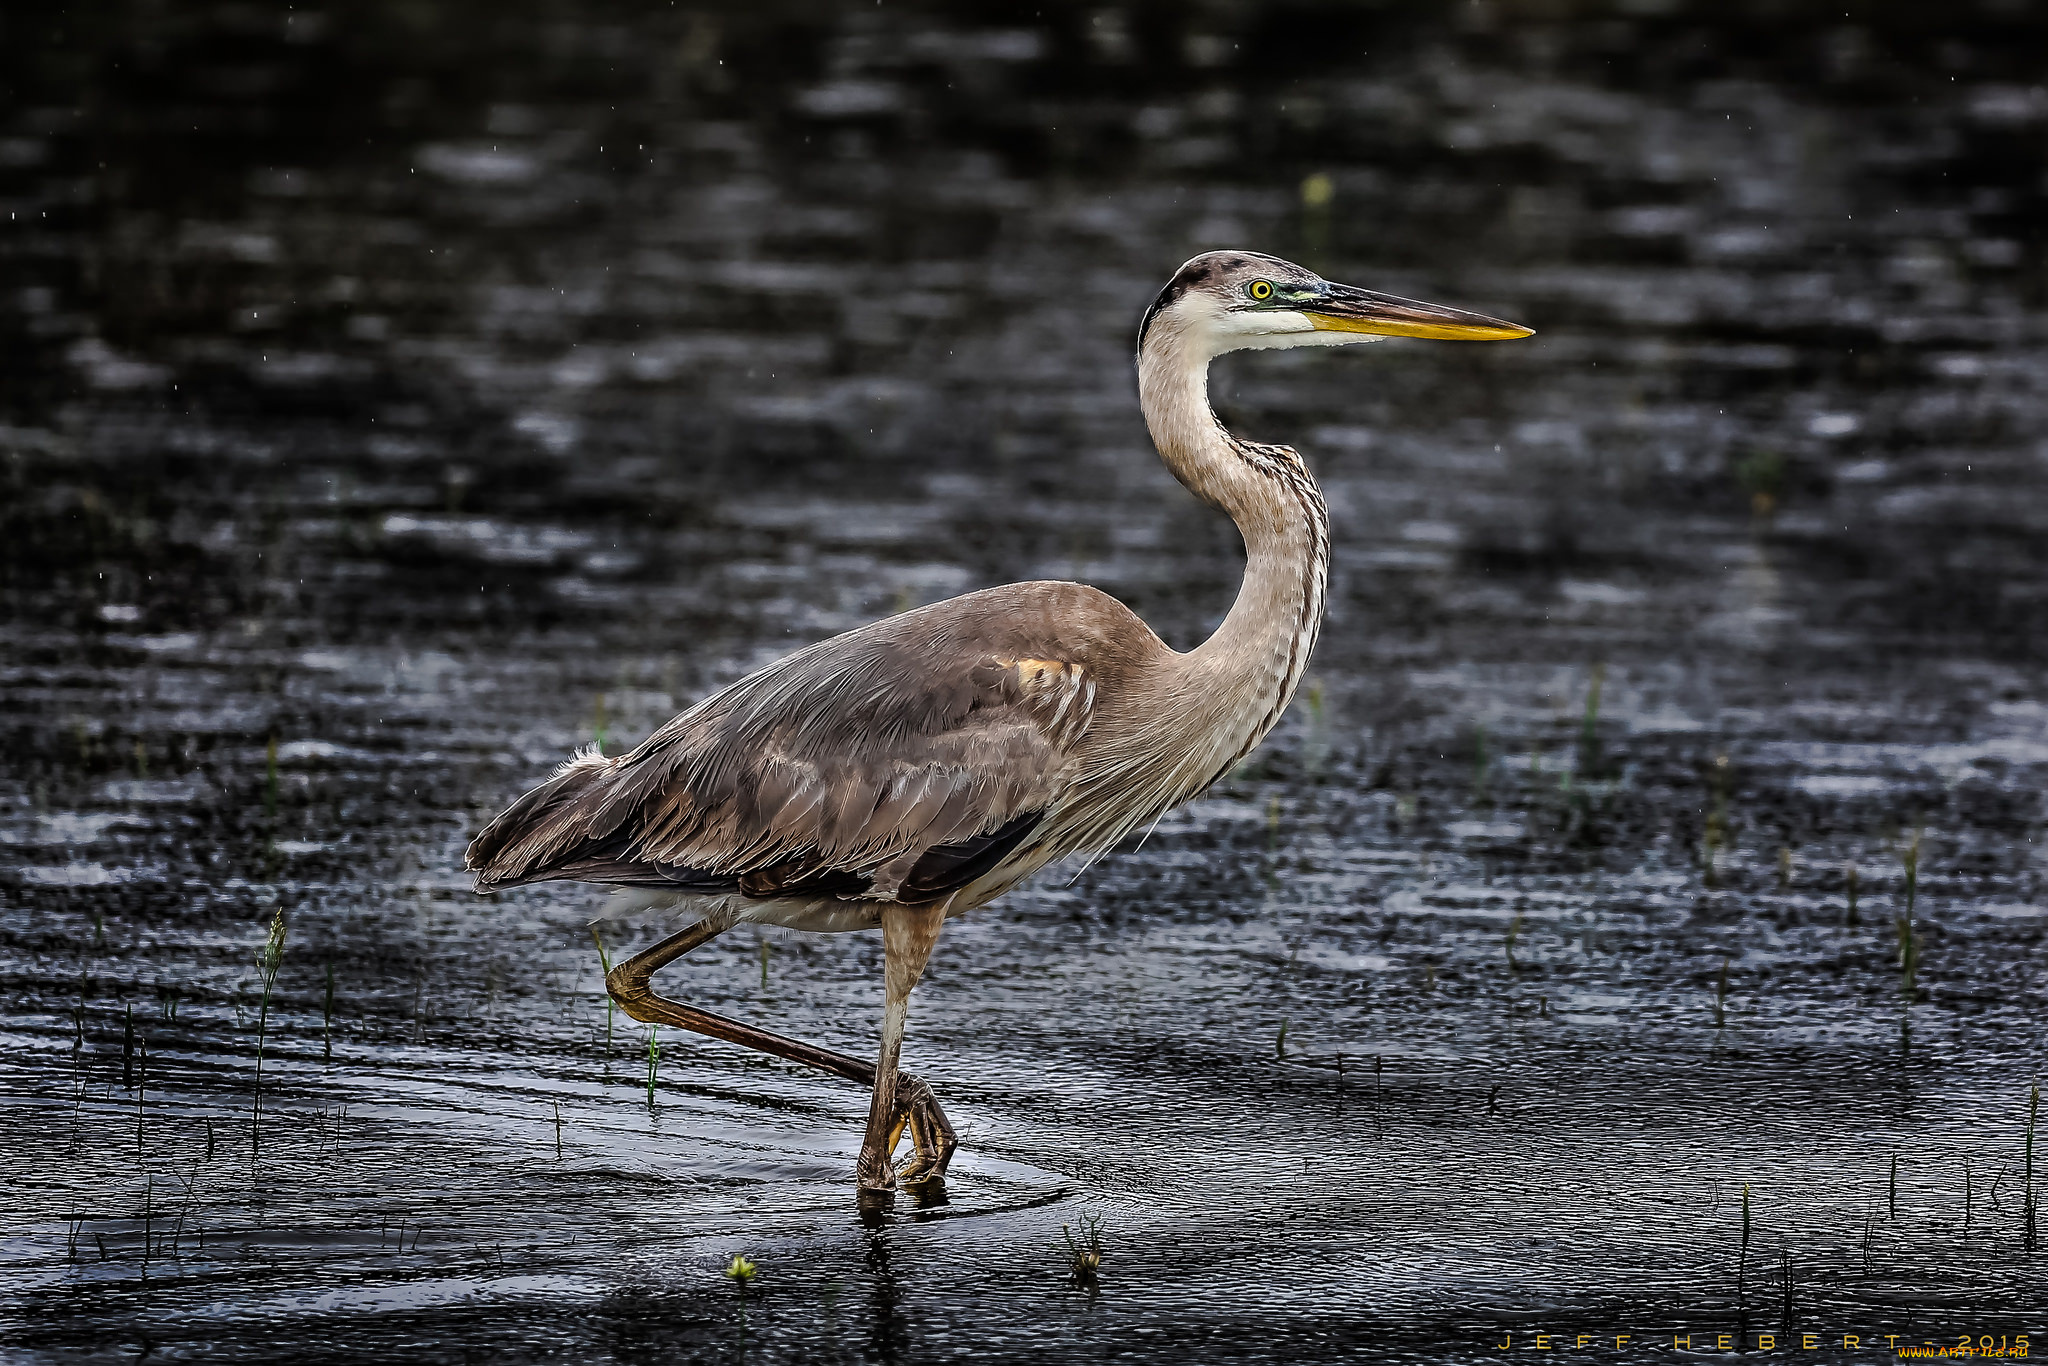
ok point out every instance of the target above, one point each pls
(1721, 995)
(604, 960)
(1742, 1263)
(327, 1015)
(1514, 933)
(267, 961)
(1909, 943)
(2027, 1200)
(1716, 837)
(1911, 858)
(1280, 1043)
(653, 1059)
(1315, 751)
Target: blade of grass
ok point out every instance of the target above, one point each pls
(604, 959)
(1717, 818)
(2027, 1201)
(267, 962)
(1589, 725)
(1742, 1265)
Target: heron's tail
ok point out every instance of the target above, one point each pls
(525, 834)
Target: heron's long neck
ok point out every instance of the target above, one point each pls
(1247, 671)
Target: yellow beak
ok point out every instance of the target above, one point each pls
(1345, 308)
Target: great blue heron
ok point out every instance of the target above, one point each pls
(925, 764)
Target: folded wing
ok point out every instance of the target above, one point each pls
(902, 761)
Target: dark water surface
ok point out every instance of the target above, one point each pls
(424, 390)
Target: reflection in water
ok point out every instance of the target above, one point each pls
(431, 393)
(889, 1332)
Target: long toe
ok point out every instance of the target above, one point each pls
(929, 1130)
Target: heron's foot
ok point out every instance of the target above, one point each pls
(932, 1140)
(932, 1137)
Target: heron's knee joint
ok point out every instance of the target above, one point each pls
(627, 988)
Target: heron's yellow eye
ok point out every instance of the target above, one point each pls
(1259, 289)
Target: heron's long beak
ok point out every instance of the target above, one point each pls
(1344, 308)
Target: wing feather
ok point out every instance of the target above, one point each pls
(904, 759)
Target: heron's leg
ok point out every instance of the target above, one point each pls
(908, 933)
(628, 985)
(915, 1107)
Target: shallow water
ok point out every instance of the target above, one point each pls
(470, 384)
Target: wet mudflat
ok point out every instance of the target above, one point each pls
(1637, 928)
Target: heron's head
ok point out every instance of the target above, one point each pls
(1238, 300)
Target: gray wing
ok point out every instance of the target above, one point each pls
(899, 761)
